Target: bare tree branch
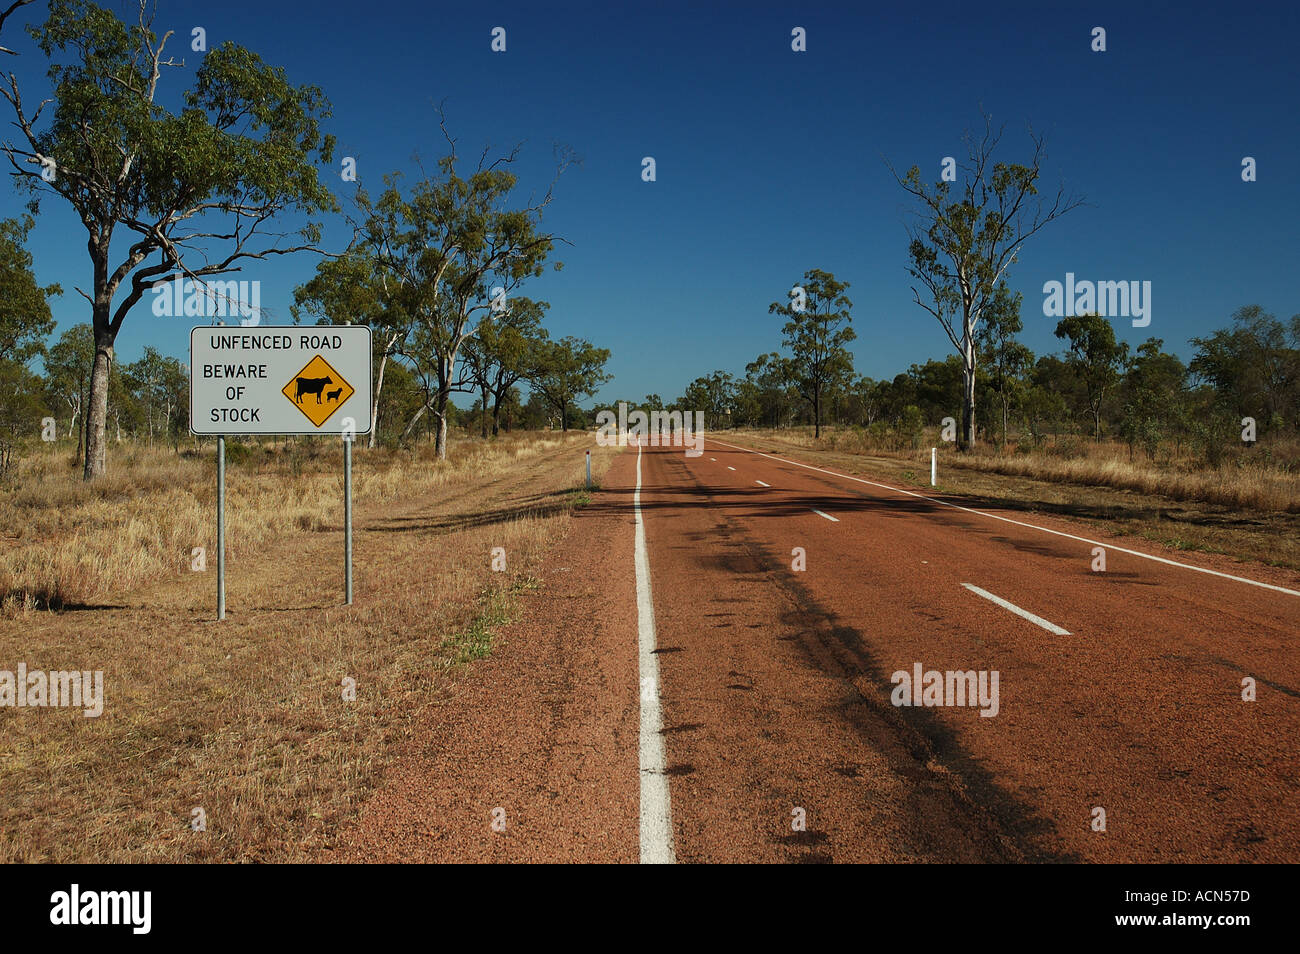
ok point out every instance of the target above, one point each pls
(5, 16)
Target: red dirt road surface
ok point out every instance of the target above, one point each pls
(783, 599)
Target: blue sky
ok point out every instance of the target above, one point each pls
(771, 162)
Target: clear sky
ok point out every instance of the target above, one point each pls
(771, 162)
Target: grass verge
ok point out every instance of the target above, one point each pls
(247, 719)
(1260, 527)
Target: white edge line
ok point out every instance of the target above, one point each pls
(656, 809)
(1019, 523)
(1036, 620)
(827, 516)
(761, 484)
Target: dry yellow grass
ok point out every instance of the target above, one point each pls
(1249, 512)
(1246, 482)
(67, 542)
(245, 719)
(1249, 487)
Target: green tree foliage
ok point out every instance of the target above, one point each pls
(1154, 398)
(864, 401)
(1096, 357)
(537, 413)
(817, 334)
(67, 376)
(1006, 361)
(1254, 367)
(20, 411)
(25, 322)
(935, 388)
(25, 319)
(767, 390)
(159, 387)
(355, 288)
(1054, 394)
(506, 348)
(567, 370)
(714, 395)
(510, 409)
(1043, 408)
(912, 425)
(403, 397)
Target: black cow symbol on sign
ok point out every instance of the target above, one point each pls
(313, 386)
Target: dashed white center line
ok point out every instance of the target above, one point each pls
(714, 459)
(1036, 620)
(730, 468)
(761, 484)
(827, 516)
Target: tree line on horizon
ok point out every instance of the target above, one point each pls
(965, 234)
(148, 399)
(1096, 386)
(204, 190)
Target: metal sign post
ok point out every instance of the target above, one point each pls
(347, 518)
(221, 528)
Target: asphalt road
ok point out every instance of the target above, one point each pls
(1123, 694)
(707, 674)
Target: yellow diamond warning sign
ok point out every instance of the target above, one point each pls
(318, 390)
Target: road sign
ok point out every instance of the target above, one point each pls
(267, 379)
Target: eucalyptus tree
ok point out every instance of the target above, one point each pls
(1097, 357)
(25, 318)
(968, 234)
(817, 334)
(67, 374)
(457, 246)
(1008, 361)
(355, 288)
(194, 185)
(568, 370)
(505, 349)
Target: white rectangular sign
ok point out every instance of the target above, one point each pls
(266, 379)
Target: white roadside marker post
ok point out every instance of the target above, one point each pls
(934, 463)
(588, 470)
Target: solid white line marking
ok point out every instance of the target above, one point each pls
(730, 468)
(1036, 620)
(1020, 523)
(761, 484)
(827, 516)
(656, 810)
